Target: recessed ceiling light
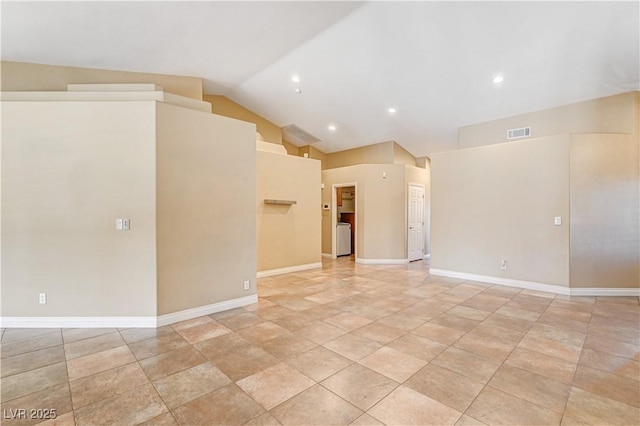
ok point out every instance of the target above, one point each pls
(392, 110)
(298, 90)
(332, 127)
(498, 79)
(295, 79)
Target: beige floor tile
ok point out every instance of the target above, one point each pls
(588, 408)
(288, 345)
(165, 419)
(418, 347)
(18, 347)
(393, 364)
(262, 332)
(570, 337)
(226, 406)
(532, 387)
(132, 335)
(353, 346)
(612, 346)
(243, 361)
(629, 334)
(93, 345)
(617, 365)
(66, 419)
(452, 389)
(319, 363)
(273, 312)
(402, 321)
(542, 364)
(275, 385)
(454, 321)
(439, 333)
(316, 406)
(55, 397)
(468, 364)
(360, 386)
(485, 302)
(194, 322)
(182, 387)
(518, 313)
(348, 321)
(171, 362)
(31, 360)
(550, 347)
(157, 345)
(219, 345)
(265, 419)
(240, 321)
(380, 332)
(320, 312)
(202, 332)
(135, 406)
(295, 322)
(608, 385)
(469, 313)
(17, 334)
(104, 385)
(32, 381)
(366, 420)
(508, 322)
(567, 314)
(490, 341)
(469, 421)
(71, 335)
(405, 406)
(498, 408)
(98, 362)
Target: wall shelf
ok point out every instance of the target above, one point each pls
(280, 202)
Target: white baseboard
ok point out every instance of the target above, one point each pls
(382, 261)
(125, 322)
(326, 255)
(77, 322)
(288, 269)
(188, 314)
(529, 285)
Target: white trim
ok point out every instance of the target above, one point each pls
(125, 322)
(427, 256)
(529, 285)
(334, 216)
(288, 269)
(77, 322)
(382, 261)
(206, 310)
(326, 255)
(601, 291)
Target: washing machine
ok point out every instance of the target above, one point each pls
(343, 237)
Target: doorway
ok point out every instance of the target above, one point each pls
(415, 222)
(344, 207)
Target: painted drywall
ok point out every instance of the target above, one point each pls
(291, 148)
(206, 223)
(605, 201)
(17, 76)
(380, 153)
(314, 153)
(69, 170)
(613, 114)
(498, 202)
(402, 156)
(222, 105)
(380, 209)
(287, 235)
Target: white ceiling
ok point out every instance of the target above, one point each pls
(433, 61)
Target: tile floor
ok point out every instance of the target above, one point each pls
(348, 344)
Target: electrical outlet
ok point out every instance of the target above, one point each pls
(43, 298)
(503, 265)
(247, 284)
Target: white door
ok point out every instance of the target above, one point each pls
(416, 222)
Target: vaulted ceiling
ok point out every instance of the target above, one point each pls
(434, 62)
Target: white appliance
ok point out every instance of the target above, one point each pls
(343, 236)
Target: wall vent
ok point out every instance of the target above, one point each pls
(298, 136)
(522, 132)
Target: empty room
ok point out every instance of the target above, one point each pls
(320, 213)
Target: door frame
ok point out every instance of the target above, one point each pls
(408, 205)
(334, 216)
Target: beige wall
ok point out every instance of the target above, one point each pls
(499, 202)
(605, 229)
(402, 156)
(17, 76)
(224, 106)
(69, 170)
(380, 153)
(291, 148)
(287, 235)
(613, 114)
(206, 217)
(380, 209)
(314, 153)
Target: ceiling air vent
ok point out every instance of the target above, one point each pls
(297, 136)
(522, 132)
